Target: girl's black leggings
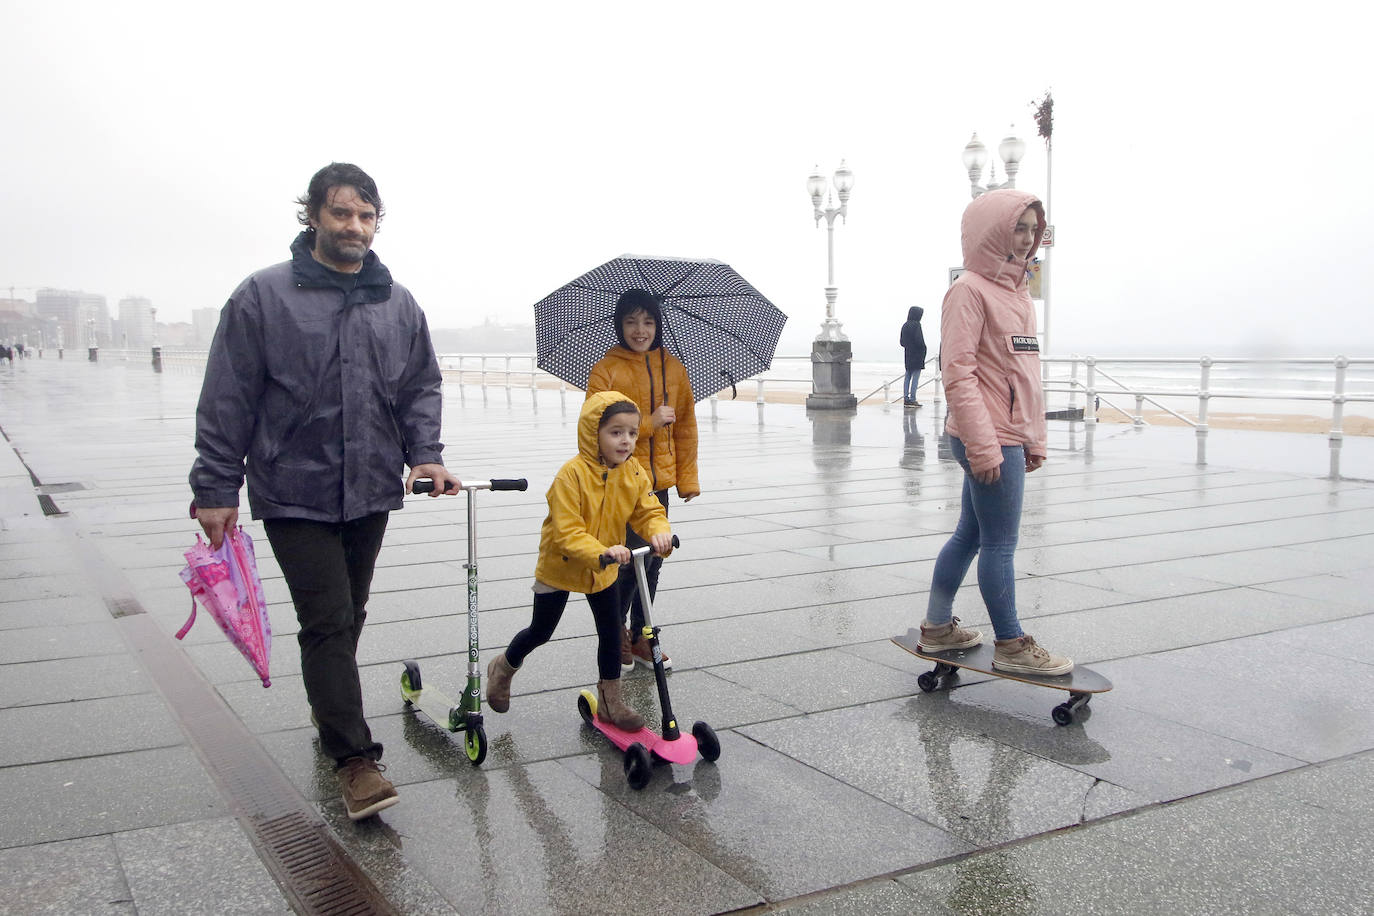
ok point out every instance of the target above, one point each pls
(548, 610)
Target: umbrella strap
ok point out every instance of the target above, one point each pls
(181, 634)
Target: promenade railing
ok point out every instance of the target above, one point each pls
(1326, 380)
(1184, 388)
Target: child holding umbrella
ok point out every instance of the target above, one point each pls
(642, 368)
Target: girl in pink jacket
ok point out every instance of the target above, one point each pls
(990, 359)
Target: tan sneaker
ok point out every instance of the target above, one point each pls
(1023, 656)
(365, 790)
(947, 636)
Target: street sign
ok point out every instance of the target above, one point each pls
(954, 274)
(1047, 240)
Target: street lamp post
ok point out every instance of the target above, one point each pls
(93, 347)
(831, 350)
(157, 348)
(1011, 149)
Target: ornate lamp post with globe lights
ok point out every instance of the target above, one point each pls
(830, 351)
(157, 347)
(1011, 149)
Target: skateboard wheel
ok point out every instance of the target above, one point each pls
(410, 679)
(708, 745)
(928, 681)
(1062, 715)
(475, 744)
(638, 766)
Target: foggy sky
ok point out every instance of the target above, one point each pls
(1209, 186)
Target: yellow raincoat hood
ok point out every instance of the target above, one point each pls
(589, 507)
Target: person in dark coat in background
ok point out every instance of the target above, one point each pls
(914, 343)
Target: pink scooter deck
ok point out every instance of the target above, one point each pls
(681, 751)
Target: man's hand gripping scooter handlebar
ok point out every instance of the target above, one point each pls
(607, 559)
(427, 486)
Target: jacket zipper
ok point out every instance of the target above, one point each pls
(653, 471)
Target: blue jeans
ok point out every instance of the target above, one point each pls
(913, 379)
(989, 524)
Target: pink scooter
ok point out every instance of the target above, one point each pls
(671, 746)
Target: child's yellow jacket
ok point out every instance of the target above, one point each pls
(589, 506)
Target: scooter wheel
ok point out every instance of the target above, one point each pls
(638, 767)
(586, 706)
(410, 679)
(708, 745)
(475, 743)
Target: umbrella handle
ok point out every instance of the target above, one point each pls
(731, 379)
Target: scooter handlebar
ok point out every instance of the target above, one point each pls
(425, 485)
(637, 552)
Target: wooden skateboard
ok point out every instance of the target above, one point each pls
(1081, 683)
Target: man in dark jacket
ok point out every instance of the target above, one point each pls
(914, 343)
(322, 379)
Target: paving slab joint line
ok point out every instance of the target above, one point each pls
(313, 870)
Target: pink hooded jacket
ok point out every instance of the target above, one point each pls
(989, 352)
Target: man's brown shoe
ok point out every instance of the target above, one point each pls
(365, 790)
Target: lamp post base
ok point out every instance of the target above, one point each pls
(830, 385)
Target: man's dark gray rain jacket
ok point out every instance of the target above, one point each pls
(327, 383)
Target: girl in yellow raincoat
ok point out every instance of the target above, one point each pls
(592, 499)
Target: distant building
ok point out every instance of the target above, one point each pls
(136, 321)
(19, 323)
(178, 335)
(79, 315)
(204, 321)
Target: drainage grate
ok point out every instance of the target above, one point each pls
(123, 607)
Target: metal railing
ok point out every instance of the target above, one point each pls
(1101, 383)
(1099, 386)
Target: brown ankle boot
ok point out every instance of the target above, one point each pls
(611, 708)
(499, 674)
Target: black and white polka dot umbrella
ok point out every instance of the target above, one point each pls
(722, 329)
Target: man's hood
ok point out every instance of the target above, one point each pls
(914, 313)
(988, 225)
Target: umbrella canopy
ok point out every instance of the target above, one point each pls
(720, 327)
(227, 584)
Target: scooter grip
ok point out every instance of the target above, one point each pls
(425, 485)
(510, 484)
(607, 561)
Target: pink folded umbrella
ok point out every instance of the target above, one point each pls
(226, 584)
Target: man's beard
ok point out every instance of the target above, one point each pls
(341, 250)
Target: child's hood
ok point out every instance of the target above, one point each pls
(988, 225)
(589, 423)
